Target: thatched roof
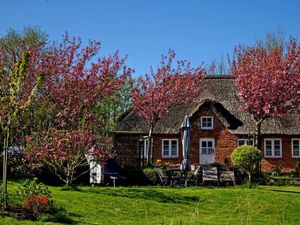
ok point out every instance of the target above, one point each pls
(222, 98)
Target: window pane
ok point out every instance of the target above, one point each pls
(296, 144)
(241, 142)
(174, 147)
(268, 152)
(268, 145)
(203, 150)
(166, 152)
(210, 151)
(208, 122)
(296, 149)
(166, 147)
(276, 147)
(174, 143)
(277, 152)
(296, 153)
(250, 142)
(276, 144)
(203, 144)
(209, 144)
(174, 152)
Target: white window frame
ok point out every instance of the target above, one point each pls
(292, 147)
(272, 146)
(170, 148)
(212, 122)
(245, 140)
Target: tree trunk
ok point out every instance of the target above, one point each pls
(257, 138)
(150, 147)
(250, 178)
(257, 141)
(4, 178)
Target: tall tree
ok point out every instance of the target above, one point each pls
(114, 105)
(268, 81)
(80, 82)
(13, 99)
(19, 83)
(14, 43)
(168, 86)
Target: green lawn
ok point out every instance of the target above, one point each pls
(156, 205)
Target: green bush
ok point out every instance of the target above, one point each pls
(246, 157)
(151, 175)
(35, 196)
(276, 171)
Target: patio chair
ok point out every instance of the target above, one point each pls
(176, 177)
(163, 179)
(210, 174)
(227, 176)
(111, 172)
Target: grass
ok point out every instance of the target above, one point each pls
(170, 206)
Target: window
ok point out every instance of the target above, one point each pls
(296, 148)
(207, 147)
(207, 122)
(169, 148)
(273, 148)
(245, 141)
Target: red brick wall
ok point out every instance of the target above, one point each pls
(225, 141)
(286, 162)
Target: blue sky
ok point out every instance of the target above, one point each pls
(198, 30)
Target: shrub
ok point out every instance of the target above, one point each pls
(36, 203)
(151, 175)
(276, 171)
(246, 157)
(297, 170)
(35, 196)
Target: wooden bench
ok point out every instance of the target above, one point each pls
(227, 176)
(210, 174)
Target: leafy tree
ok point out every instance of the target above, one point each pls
(114, 105)
(246, 157)
(81, 81)
(13, 44)
(220, 66)
(22, 59)
(13, 99)
(157, 93)
(267, 81)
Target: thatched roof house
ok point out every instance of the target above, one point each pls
(220, 101)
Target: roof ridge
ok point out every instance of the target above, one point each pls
(222, 76)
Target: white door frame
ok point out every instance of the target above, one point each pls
(207, 158)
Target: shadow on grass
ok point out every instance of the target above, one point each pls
(59, 215)
(147, 194)
(285, 191)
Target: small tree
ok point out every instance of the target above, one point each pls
(13, 100)
(246, 157)
(267, 81)
(64, 152)
(73, 94)
(165, 88)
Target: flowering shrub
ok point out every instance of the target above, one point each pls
(35, 196)
(36, 203)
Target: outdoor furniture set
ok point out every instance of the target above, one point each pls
(200, 176)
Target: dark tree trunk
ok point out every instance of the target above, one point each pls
(4, 178)
(150, 147)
